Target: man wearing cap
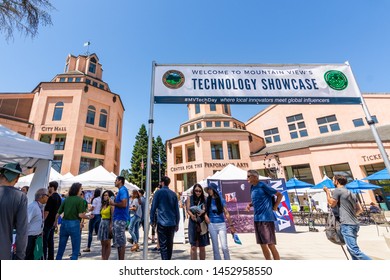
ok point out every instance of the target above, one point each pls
(13, 213)
(165, 206)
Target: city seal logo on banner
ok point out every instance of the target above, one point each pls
(173, 79)
(336, 80)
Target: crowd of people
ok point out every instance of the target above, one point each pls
(27, 231)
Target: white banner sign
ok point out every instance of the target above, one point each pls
(255, 84)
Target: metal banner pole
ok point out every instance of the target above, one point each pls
(371, 123)
(148, 167)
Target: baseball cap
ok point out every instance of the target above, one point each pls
(11, 171)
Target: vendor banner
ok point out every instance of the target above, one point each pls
(237, 196)
(255, 84)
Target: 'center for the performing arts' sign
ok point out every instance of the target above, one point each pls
(256, 84)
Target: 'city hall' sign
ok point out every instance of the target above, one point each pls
(256, 84)
(53, 128)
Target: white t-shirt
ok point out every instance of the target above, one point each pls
(97, 205)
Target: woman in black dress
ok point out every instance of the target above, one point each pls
(196, 211)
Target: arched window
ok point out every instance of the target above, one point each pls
(92, 65)
(58, 108)
(91, 115)
(103, 118)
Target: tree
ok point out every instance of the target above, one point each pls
(159, 159)
(24, 15)
(139, 158)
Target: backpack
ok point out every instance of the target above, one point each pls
(332, 230)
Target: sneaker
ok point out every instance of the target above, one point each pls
(155, 249)
(87, 250)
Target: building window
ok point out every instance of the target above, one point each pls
(234, 150)
(46, 138)
(197, 108)
(59, 142)
(70, 80)
(78, 79)
(191, 153)
(87, 145)
(62, 79)
(100, 147)
(56, 164)
(88, 81)
(218, 124)
(226, 108)
(209, 124)
(92, 65)
(301, 172)
(178, 155)
(234, 125)
(58, 108)
(328, 123)
(198, 125)
(91, 115)
(296, 126)
(216, 150)
(338, 169)
(213, 107)
(87, 164)
(95, 84)
(103, 118)
(192, 127)
(101, 86)
(272, 135)
(226, 124)
(185, 129)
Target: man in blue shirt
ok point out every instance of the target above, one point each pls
(166, 204)
(121, 216)
(262, 197)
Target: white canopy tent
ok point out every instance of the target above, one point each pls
(28, 153)
(98, 177)
(230, 172)
(26, 180)
(128, 185)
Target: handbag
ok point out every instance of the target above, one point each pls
(332, 230)
(203, 228)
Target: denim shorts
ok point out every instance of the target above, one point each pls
(119, 232)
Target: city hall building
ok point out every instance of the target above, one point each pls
(305, 141)
(76, 112)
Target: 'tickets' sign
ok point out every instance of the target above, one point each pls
(256, 84)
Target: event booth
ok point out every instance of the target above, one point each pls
(29, 153)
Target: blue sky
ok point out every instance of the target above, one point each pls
(128, 35)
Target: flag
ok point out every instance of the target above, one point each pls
(142, 164)
(231, 197)
(86, 44)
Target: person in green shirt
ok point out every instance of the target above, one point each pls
(73, 209)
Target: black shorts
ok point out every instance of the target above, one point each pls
(265, 233)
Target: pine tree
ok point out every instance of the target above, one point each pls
(159, 160)
(139, 158)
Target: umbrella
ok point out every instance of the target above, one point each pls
(380, 175)
(326, 182)
(294, 183)
(361, 185)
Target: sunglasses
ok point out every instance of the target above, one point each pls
(249, 176)
(197, 191)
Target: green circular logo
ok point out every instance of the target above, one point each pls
(336, 80)
(173, 79)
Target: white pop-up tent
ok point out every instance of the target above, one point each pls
(98, 177)
(26, 180)
(28, 153)
(230, 172)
